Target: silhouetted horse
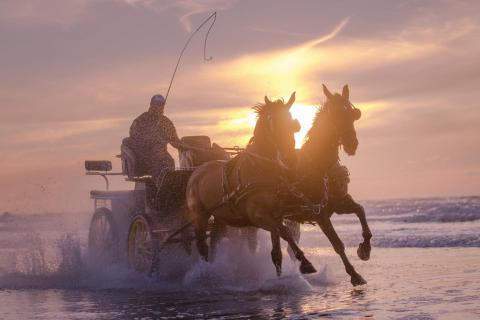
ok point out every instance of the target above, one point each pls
(319, 158)
(246, 191)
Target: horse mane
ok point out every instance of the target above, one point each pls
(319, 143)
(263, 108)
(316, 123)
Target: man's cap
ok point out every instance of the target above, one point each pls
(157, 99)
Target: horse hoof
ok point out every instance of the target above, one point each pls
(357, 280)
(203, 251)
(204, 256)
(307, 267)
(363, 251)
(278, 269)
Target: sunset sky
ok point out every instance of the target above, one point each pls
(75, 73)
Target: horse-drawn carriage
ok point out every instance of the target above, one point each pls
(264, 185)
(133, 224)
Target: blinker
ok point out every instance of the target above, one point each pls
(356, 113)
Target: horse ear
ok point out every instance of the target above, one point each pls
(326, 92)
(291, 100)
(346, 92)
(267, 101)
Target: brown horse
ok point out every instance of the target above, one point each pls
(246, 191)
(318, 158)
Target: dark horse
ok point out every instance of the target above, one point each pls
(319, 158)
(246, 191)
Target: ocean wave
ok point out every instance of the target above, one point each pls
(452, 212)
(428, 242)
(444, 210)
(397, 238)
(442, 217)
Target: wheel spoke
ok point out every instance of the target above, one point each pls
(139, 250)
(102, 236)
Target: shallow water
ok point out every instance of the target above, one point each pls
(420, 268)
(403, 284)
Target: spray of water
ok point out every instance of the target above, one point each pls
(46, 259)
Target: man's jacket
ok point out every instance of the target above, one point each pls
(151, 133)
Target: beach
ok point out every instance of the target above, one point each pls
(425, 264)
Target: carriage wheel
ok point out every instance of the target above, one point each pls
(103, 236)
(140, 246)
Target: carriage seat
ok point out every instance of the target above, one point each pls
(130, 165)
(197, 141)
(195, 158)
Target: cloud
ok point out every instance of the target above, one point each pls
(415, 79)
(51, 133)
(302, 66)
(195, 7)
(34, 12)
(277, 31)
(30, 13)
(188, 8)
(313, 43)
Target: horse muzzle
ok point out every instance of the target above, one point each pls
(350, 147)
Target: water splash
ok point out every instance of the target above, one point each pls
(64, 263)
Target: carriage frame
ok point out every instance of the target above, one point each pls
(135, 225)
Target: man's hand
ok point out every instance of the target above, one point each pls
(177, 144)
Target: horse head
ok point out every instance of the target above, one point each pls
(274, 130)
(342, 115)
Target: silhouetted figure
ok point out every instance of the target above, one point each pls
(150, 133)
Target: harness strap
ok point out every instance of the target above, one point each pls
(232, 197)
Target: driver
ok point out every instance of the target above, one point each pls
(150, 133)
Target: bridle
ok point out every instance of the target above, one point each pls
(341, 132)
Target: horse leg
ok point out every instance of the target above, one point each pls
(201, 224)
(218, 232)
(364, 248)
(276, 252)
(351, 206)
(273, 225)
(252, 240)
(305, 265)
(327, 228)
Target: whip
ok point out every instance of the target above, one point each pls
(212, 16)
